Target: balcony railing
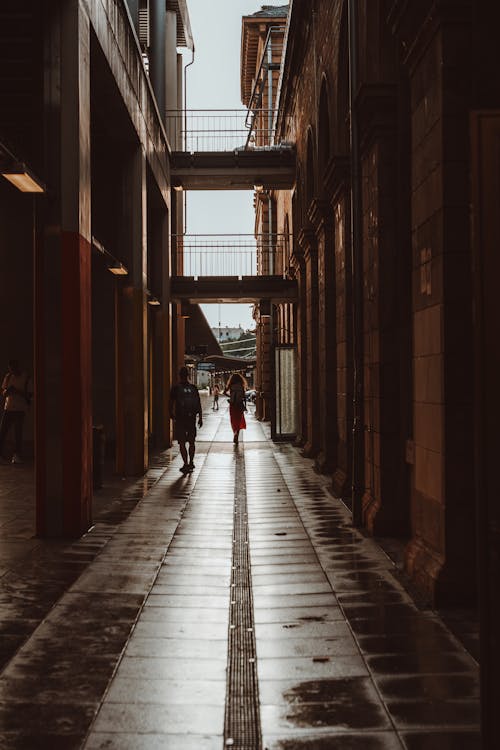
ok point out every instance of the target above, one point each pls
(231, 254)
(197, 130)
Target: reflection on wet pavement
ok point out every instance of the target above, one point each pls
(125, 632)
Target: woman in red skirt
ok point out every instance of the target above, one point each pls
(236, 387)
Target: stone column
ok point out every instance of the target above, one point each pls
(63, 410)
(321, 216)
(337, 182)
(300, 338)
(307, 240)
(162, 343)
(441, 556)
(131, 324)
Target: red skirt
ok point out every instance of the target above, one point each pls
(237, 418)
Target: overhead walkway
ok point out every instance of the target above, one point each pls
(238, 170)
(227, 289)
(234, 607)
(224, 150)
(232, 268)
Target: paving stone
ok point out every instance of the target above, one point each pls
(125, 632)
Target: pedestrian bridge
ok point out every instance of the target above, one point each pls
(231, 268)
(228, 150)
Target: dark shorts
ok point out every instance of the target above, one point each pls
(185, 430)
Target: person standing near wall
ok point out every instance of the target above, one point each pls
(236, 387)
(17, 399)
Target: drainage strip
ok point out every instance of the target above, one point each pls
(242, 719)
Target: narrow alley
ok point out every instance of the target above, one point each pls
(235, 607)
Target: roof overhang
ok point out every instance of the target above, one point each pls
(184, 33)
(251, 30)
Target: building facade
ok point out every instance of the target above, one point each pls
(262, 39)
(86, 262)
(392, 108)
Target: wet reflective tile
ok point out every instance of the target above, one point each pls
(278, 577)
(303, 668)
(394, 624)
(337, 741)
(41, 740)
(377, 597)
(168, 589)
(174, 668)
(309, 647)
(421, 713)
(175, 692)
(433, 687)
(300, 629)
(182, 629)
(189, 615)
(38, 719)
(173, 600)
(443, 741)
(131, 583)
(422, 663)
(289, 589)
(159, 719)
(297, 600)
(130, 741)
(171, 647)
(402, 644)
(298, 615)
(374, 612)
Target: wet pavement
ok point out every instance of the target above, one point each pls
(235, 607)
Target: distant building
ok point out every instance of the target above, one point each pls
(227, 333)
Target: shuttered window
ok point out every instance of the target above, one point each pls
(144, 24)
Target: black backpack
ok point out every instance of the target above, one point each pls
(187, 401)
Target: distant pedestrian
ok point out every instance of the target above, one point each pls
(15, 390)
(185, 404)
(236, 387)
(215, 394)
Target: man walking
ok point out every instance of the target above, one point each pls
(185, 404)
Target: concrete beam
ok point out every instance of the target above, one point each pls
(222, 289)
(234, 170)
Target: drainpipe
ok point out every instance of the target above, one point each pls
(357, 275)
(270, 126)
(185, 129)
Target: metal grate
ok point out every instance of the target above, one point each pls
(242, 720)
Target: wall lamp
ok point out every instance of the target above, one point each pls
(117, 269)
(23, 178)
(152, 300)
(114, 265)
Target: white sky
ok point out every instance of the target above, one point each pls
(213, 82)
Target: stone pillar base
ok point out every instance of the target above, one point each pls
(340, 482)
(441, 583)
(309, 450)
(323, 463)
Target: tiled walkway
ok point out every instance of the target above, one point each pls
(134, 655)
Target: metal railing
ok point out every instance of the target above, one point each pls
(230, 254)
(197, 130)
